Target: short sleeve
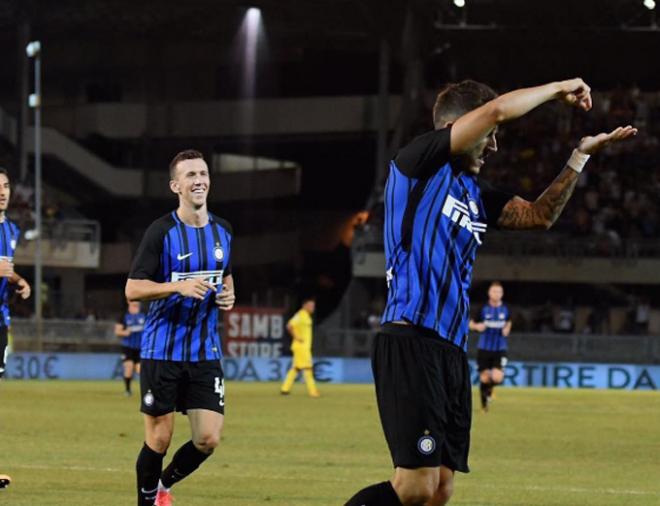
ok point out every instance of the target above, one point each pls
(230, 231)
(295, 319)
(493, 200)
(146, 263)
(425, 154)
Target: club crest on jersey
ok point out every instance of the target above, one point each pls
(218, 253)
(148, 399)
(426, 445)
(459, 213)
(13, 243)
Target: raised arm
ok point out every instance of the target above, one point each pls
(520, 214)
(472, 127)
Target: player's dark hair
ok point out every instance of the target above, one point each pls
(308, 298)
(496, 283)
(4, 171)
(187, 154)
(456, 99)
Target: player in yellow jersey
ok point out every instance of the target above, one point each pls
(300, 328)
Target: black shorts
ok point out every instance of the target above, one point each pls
(167, 386)
(424, 398)
(132, 354)
(490, 360)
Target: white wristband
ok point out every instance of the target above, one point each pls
(577, 160)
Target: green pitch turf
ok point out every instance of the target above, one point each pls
(75, 443)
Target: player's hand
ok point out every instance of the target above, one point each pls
(195, 288)
(226, 298)
(24, 289)
(593, 144)
(575, 92)
(6, 269)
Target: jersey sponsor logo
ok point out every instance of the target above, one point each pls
(213, 277)
(135, 328)
(7, 258)
(426, 445)
(458, 212)
(182, 257)
(490, 324)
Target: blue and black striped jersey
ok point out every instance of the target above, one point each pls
(495, 318)
(9, 234)
(435, 219)
(182, 328)
(134, 323)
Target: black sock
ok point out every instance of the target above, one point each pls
(148, 467)
(185, 461)
(3, 347)
(127, 382)
(382, 494)
(483, 394)
(489, 392)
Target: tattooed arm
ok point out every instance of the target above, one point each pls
(520, 214)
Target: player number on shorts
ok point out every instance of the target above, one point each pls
(220, 389)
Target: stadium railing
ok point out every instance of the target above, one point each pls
(540, 347)
(60, 335)
(370, 239)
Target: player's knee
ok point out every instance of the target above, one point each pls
(484, 377)
(444, 493)
(207, 442)
(418, 487)
(159, 442)
(159, 438)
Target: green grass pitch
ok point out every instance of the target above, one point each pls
(75, 443)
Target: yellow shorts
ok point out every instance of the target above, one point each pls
(302, 359)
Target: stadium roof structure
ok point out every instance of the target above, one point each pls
(504, 42)
(331, 21)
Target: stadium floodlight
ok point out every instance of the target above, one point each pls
(33, 51)
(459, 3)
(649, 4)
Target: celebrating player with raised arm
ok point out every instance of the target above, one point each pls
(183, 267)
(437, 211)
